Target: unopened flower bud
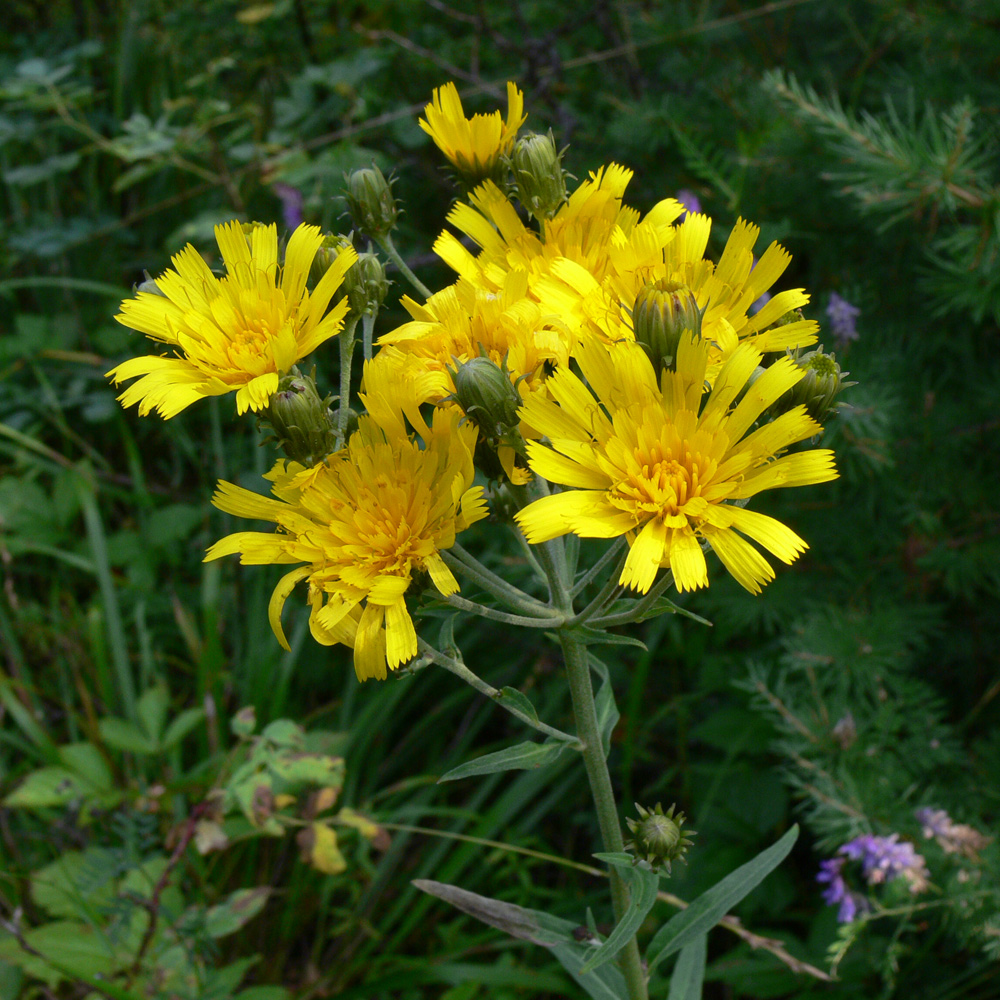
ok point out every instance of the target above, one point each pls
(370, 202)
(663, 310)
(819, 388)
(487, 395)
(659, 837)
(249, 227)
(330, 249)
(365, 285)
(148, 284)
(301, 421)
(538, 173)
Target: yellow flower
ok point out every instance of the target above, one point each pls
(474, 146)
(725, 291)
(363, 523)
(455, 326)
(657, 463)
(238, 332)
(585, 230)
(464, 321)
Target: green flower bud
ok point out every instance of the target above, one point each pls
(538, 173)
(365, 285)
(659, 837)
(148, 284)
(370, 203)
(819, 388)
(249, 227)
(663, 310)
(487, 395)
(333, 245)
(302, 422)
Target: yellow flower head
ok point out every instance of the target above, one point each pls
(474, 146)
(464, 321)
(586, 230)
(657, 463)
(725, 291)
(363, 523)
(238, 332)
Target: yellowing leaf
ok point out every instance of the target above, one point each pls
(319, 848)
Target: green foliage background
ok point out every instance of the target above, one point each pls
(862, 134)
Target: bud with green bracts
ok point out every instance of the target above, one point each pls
(302, 422)
(333, 245)
(370, 202)
(659, 837)
(485, 392)
(663, 310)
(365, 285)
(148, 284)
(818, 389)
(538, 173)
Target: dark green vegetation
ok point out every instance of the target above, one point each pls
(860, 687)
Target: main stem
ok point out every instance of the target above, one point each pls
(585, 714)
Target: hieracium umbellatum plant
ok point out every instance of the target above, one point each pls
(590, 373)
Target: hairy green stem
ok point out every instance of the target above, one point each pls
(461, 671)
(606, 595)
(551, 618)
(367, 331)
(468, 565)
(346, 339)
(393, 254)
(585, 713)
(640, 608)
(599, 567)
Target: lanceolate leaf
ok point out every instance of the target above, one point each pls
(513, 697)
(522, 757)
(605, 983)
(706, 911)
(689, 972)
(643, 885)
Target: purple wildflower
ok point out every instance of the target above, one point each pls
(882, 859)
(837, 892)
(842, 316)
(291, 204)
(690, 201)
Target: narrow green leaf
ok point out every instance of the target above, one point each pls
(607, 714)
(598, 637)
(604, 703)
(25, 721)
(689, 972)
(643, 885)
(706, 911)
(664, 605)
(520, 701)
(554, 933)
(446, 637)
(522, 757)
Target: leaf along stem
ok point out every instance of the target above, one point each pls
(461, 671)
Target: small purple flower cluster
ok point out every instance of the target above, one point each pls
(881, 859)
(837, 892)
(690, 202)
(842, 319)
